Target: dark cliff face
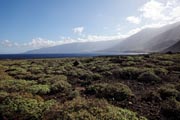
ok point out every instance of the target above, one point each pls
(174, 48)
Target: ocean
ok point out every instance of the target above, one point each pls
(39, 56)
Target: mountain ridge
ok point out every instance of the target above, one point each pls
(147, 40)
(77, 47)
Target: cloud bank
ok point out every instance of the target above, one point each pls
(41, 42)
(161, 10)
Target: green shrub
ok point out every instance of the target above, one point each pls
(20, 108)
(52, 79)
(149, 65)
(29, 76)
(82, 109)
(168, 91)
(26, 76)
(116, 91)
(90, 76)
(171, 109)
(101, 68)
(61, 86)
(128, 63)
(127, 73)
(13, 71)
(96, 76)
(15, 85)
(19, 73)
(3, 94)
(25, 95)
(39, 89)
(24, 86)
(3, 74)
(73, 94)
(35, 69)
(107, 74)
(160, 71)
(149, 77)
(84, 74)
(130, 58)
(166, 63)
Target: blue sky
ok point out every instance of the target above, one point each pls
(32, 24)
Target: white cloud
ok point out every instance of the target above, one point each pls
(153, 10)
(155, 14)
(41, 43)
(7, 43)
(78, 30)
(102, 38)
(175, 12)
(133, 19)
(161, 10)
(134, 31)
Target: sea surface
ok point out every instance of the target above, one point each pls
(39, 56)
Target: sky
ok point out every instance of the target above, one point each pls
(33, 24)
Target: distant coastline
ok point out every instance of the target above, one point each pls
(69, 55)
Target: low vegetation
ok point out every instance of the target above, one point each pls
(116, 91)
(149, 77)
(138, 87)
(92, 109)
(27, 108)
